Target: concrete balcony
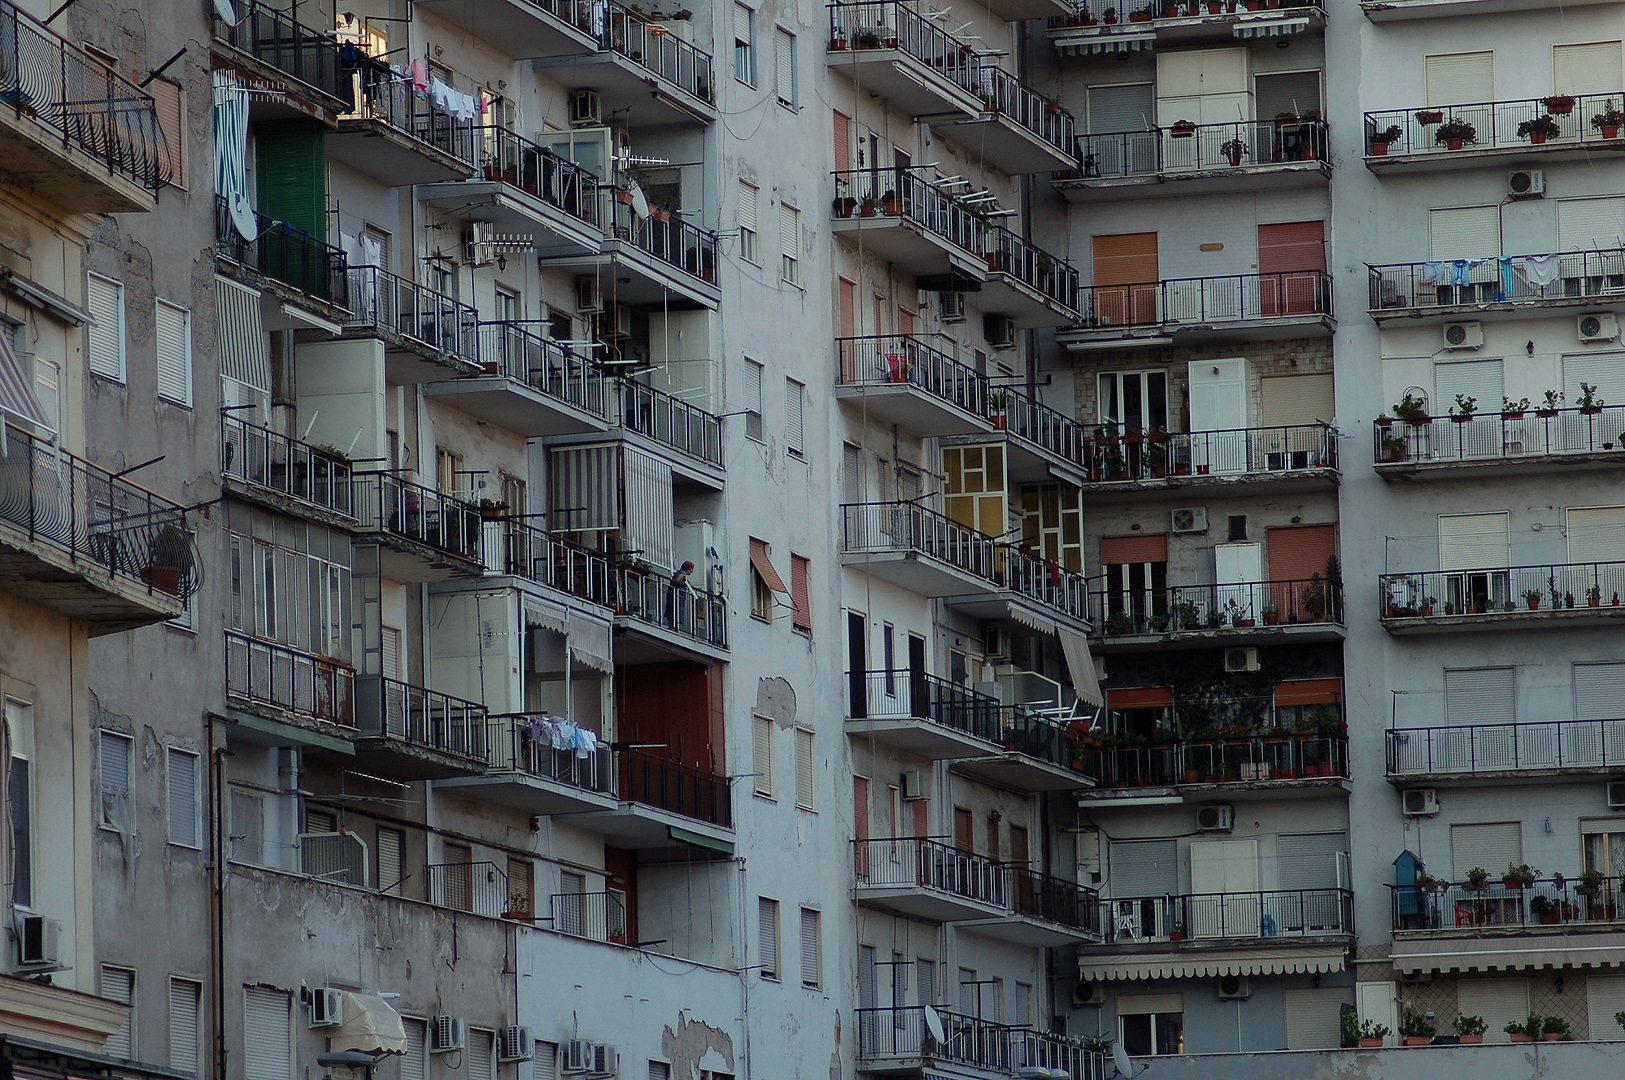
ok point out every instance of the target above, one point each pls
(897, 379)
(1430, 293)
(1038, 755)
(927, 879)
(893, 51)
(1231, 307)
(1027, 283)
(1017, 131)
(1423, 142)
(921, 550)
(1252, 155)
(645, 261)
(1531, 442)
(902, 1039)
(1045, 912)
(1272, 764)
(668, 809)
(908, 219)
(1233, 613)
(922, 715)
(395, 136)
(422, 535)
(661, 621)
(522, 29)
(406, 732)
(287, 475)
(687, 436)
(1400, 10)
(289, 263)
(283, 695)
(525, 772)
(529, 384)
(640, 68)
(73, 132)
(277, 51)
(88, 544)
(1475, 755)
(427, 335)
(1126, 467)
(1442, 926)
(1082, 33)
(1513, 598)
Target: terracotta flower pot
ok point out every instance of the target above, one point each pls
(1416, 1040)
(1610, 131)
(1521, 1037)
(1370, 1044)
(1472, 1040)
(1379, 149)
(1536, 138)
(1552, 1036)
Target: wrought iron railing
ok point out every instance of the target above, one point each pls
(1442, 595)
(540, 556)
(902, 1031)
(683, 609)
(892, 24)
(1492, 435)
(1007, 95)
(1494, 124)
(1537, 745)
(909, 193)
(282, 464)
(80, 100)
(1245, 144)
(1038, 733)
(526, 743)
(387, 504)
(283, 253)
(274, 38)
(1231, 606)
(915, 695)
(1563, 902)
(1280, 755)
(64, 501)
(283, 677)
(1044, 581)
(516, 351)
(650, 44)
(392, 99)
(600, 916)
(674, 241)
(416, 312)
(1269, 913)
(922, 863)
(909, 527)
(1228, 298)
(670, 420)
(671, 785)
(904, 360)
(418, 717)
(539, 172)
(480, 888)
(1141, 456)
(1055, 900)
(1032, 421)
(1509, 279)
(1008, 253)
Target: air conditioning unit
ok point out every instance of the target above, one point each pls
(1415, 976)
(1526, 184)
(38, 942)
(1420, 802)
(1235, 987)
(479, 247)
(586, 108)
(1603, 326)
(913, 785)
(514, 1044)
(1239, 660)
(999, 330)
(953, 307)
(619, 323)
(1463, 335)
(1215, 817)
(579, 1056)
(1087, 992)
(1188, 519)
(326, 1007)
(606, 1062)
(449, 1033)
(589, 295)
(1616, 795)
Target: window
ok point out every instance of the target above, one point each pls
(925, 980)
(744, 44)
(247, 826)
(806, 772)
(812, 975)
(448, 469)
(481, 1054)
(753, 401)
(173, 330)
(118, 984)
(970, 993)
(183, 798)
(762, 747)
(545, 1066)
(391, 854)
(116, 753)
(764, 581)
(1151, 1024)
(1591, 68)
(1136, 571)
(888, 657)
(1021, 1005)
(659, 1070)
(185, 999)
(800, 599)
(169, 102)
(521, 887)
(104, 335)
(749, 250)
(767, 936)
(784, 66)
(795, 401)
(20, 800)
(1491, 845)
(790, 243)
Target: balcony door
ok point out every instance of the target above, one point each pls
(1311, 867)
(1291, 269)
(1480, 709)
(1224, 900)
(1136, 572)
(1218, 390)
(1121, 140)
(1474, 550)
(1298, 556)
(1463, 84)
(1126, 285)
(1237, 568)
(1483, 381)
(1207, 87)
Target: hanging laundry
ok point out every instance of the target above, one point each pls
(1434, 273)
(1506, 278)
(1541, 270)
(1459, 270)
(420, 75)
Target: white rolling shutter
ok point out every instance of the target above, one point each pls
(1490, 846)
(267, 1035)
(1143, 1004)
(1480, 379)
(104, 336)
(1498, 1001)
(118, 984)
(1592, 68)
(811, 975)
(1309, 860)
(1591, 224)
(173, 331)
(762, 754)
(1143, 867)
(240, 336)
(1480, 696)
(748, 249)
(790, 242)
(1596, 534)
(1314, 1017)
(1112, 109)
(183, 800)
(185, 998)
(648, 508)
(545, 1066)
(1465, 232)
(1296, 399)
(784, 65)
(391, 852)
(767, 936)
(1605, 371)
(1460, 78)
(806, 775)
(1597, 691)
(1473, 541)
(795, 403)
(414, 1061)
(1605, 996)
(481, 1054)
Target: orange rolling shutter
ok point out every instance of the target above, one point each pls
(1140, 697)
(1126, 259)
(800, 602)
(1297, 554)
(1116, 550)
(1309, 692)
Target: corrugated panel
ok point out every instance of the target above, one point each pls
(240, 336)
(1490, 846)
(585, 489)
(173, 331)
(648, 517)
(1308, 692)
(1314, 1016)
(1296, 399)
(1605, 371)
(267, 1035)
(1498, 1001)
(1592, 68)
(414, 1063)
(811, 975)
(806, 770)
(762, 753)
(1591, 224)
(185, 997)
(1480, 695)
(1473, 541)
(1479, 379)
(767, 935)
(1460, 78)
(1596, 534)
(1117, 550)
(800, 596)
(1297, 554)
(104, 335)
(1125, 259)
(1145, 697)
(747, 206)
(843, 142)
(1596, 691)
(1309, 860)
(1465, 232)
(1143, 867)
(1130, 107)
(1292, 246)
(118, 984)
(183, 802)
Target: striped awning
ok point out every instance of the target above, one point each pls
(1273, 28)
(1509, 954)
(1115, 43)
(17, 397)
(242, 344)
(1199, 965)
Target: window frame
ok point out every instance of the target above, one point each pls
(795, 391)
(745, 50)
(801, 614)
(790, 233)
(24, 832)
(107, 737)
(170, 754)
(764, 781)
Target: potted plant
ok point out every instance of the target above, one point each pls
(1412, 410)
(1470, 1029)
(1142, 15)
(1414, 1028)
(1235, 150)
(1109, 16)
(1608, 121)
(1548, 407)
(1393, 448)
(1177, 933)
(1558, 104)
(1519, 875)
(1590, 403)
(1555, 1029)
(491, 510)
(869, 206)
(1539, 129)
(1533, 596)
(837, 41)
(844, 205)
(169, 559)
(1466, 405)
(1052, 106)
(1372, 1034)
(1183, 129)
(996, 400)
(1544, 909)
(891, 204)
(1594, 596)
(1514, 410)
(1235, 616)
(1381, 140)
(866, 39)
(1272, 615)
(1120, 622)
(1524, 1031)
(1454, 134)
(1427, 117)
(1477, 879)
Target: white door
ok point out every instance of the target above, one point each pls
(1224, 899)
(1218, 390)
(1237, 571)
(1206, 87)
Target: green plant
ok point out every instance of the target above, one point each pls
(1609, 117)
(1370, 1029)
(1590, 881)
(1588, 397)
(1510, 406)
(1120, 622)
(1542, 125)
(1532, 595)
(1455, 130)
(1235, 148)
(1554, 398)
(1541, 905)
(1466, 405)
(1413, 1025)
(1411, 408)
(1619, 1018)
(1521, 873)
(170, 546)
(1186, 615)
(1351, 1027)
(1388, 134)
(1477, 880)
(866, 39)
(1555, 1025)
(1469, 1025)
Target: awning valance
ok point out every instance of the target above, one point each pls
(1198, 965)
(1085, 679)
(370, 1025)
(1106, 45)
(1273, 28)
(1510, 954)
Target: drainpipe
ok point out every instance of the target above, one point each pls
(217, 898)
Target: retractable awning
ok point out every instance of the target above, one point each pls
(1085, 682)
(1274, 28)
(370, 1025)
(1509, 954)
(1260, 961)
(1104, 46)
(17, 397)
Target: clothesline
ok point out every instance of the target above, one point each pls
(561, 734)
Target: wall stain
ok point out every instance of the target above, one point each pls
(685, 1046)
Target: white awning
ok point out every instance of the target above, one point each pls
(1020, 614)
(1198, 965)
(589, 642)
(370, 1025)
(1509, 954)
(1085, 679)
(1274, 28)
(1106, 45)
(17, 397)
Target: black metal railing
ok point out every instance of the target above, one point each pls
(1494, 124)
(1490, 435)
(1550, 901)
(915, 695)
(392, 99)
(1232, 606)
(526, 743)
(892, 24)
(651, 45)
(516, 351)
(674, 241)
(909, 527)
(414, 311)
(1268, 913)
(421, 718)
(922, 863)
(904, 360)
(1539, 745)
(1008, 96)
(540, 556)
(1037, 423)
(64, 501)
(1038, 733)
(600, 916)
(1510, 279)
(1055, 900)
(282, 464)
(1245, 144)
(910, 193)
(1278, 755)
(670, 420)
(283, 677)
(1227, 298)
(539, 172)
(902, 1031)
(671, 785)
(80, 100)
(387, 504)
(274, 38)
(1141, 456)
(1034, 267)
(683, 609)
(1445, 594)
(1044, 581)
(286, 254)
(480, 888)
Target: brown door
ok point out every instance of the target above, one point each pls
(962, 829)
(847, 313)
(1126, 279)
(1297, 569)
(1291, 268)
(621, 878)
(1025, 892)
(860, 822)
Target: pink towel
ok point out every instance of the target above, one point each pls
(420, 75)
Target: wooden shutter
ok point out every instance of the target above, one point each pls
(1118, 550)
(1480, 696)
(784, 64)
(1460, 78)
(185, 997)
(922, 818)
(843, 143)
(391, 854)
(1473, 541)
(860, 807)
(1592, 68)
(800, 600)
(413, 1062)
(762, 753)
(118, 984)
(1296, 399)
(795, 399)
(1596, 534)
(1314, 1016)
(1465, 232)
(1113, 109)
(1125, 259)
(1292, 246)
(267, 1036)
(806, 771)
(1298, 553)
(173, 331)
(1490, 845)
(1143, 867)
(963, 838)
(848, 308)
(183, 798)
(1596, 690)
(810, 953)
(1591, 224)
(1309, 860)
(104, 336)
(747, 206)
(767, 935)
(1498, 1001)
(292, 161)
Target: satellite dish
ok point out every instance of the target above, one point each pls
(227, 13)
(1125, 1067)
(242, 216)
(933, 1024)
(640, 201)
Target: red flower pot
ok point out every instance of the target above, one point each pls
(1379, 149)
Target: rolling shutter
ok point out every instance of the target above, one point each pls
(1308, 692)
(1115, 109)
(1295, 92)
(1498, 1001)
(1605, 371)
(767, 935)
(1296, 399)
(747, 206)
(1314, 1017)
(1460, 78)
(481, 1047)
(183, 801)
(843, 143)
(1592, 68)
(293, 174)
(784, 64)
(1118, 550)
(1144, 697)
(1297, 554)
(1591, 224)
(1490, 846)
(169, 104)
(1596, 534)
(173, 331)
(1465, 232)
(1596, 691)
(1143, 867)
(1473, 541)
(1292, 246)
(391, 850)
(810, 974)
(104, 335)
(241, 336)
(118, 984)
(1309, 860)
(795, 400)
(763, 564)
(1126, 259)
(762, 753)
(1143, 1004)
(800, 599)
(1480, 695)
(267, 1038)
(806, 775)
(790, 231)
(185, 997)
(544, 1067)
(1480, 379)
(648, 510)
(413, 1062)
(1605, 996)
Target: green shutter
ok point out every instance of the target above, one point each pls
(293, 174)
